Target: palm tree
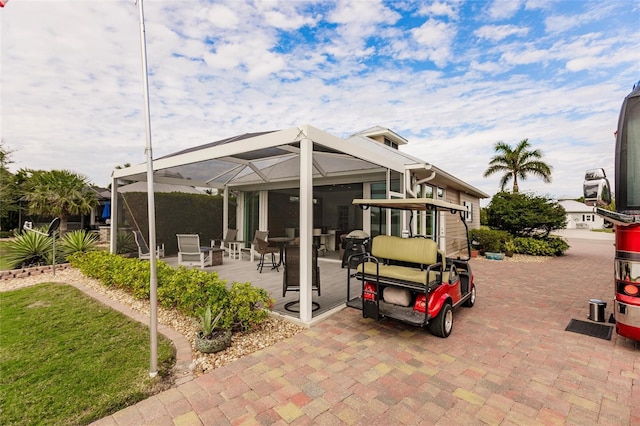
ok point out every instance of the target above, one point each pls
(59, 193)
(517, 163)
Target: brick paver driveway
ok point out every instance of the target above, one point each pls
(508, 361)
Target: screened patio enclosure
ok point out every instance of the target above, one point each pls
(299, 179)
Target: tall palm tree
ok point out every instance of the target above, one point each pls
(59, 193)
(518, 163)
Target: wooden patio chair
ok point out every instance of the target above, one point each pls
(263, 248)
(229, 243)
(143, 248)
(251, 250)
(291, 276)
(190, 252)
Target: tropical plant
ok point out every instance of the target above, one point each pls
(125, 243)
(517, 163)
(207, 323)
(59, 193)
(29, 249)
(78, 242)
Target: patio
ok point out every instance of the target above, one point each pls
(333, 282)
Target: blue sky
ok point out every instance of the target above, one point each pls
(452, 77)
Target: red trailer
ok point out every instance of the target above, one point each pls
(626, 217)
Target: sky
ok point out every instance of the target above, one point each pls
(452, 77)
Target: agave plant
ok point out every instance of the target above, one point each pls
(29, 249)
(125, 243)
(207, 322)
(78, 242)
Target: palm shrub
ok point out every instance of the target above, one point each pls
(78, 242)
(29, 249)
(125, 243)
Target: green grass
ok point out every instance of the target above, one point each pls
(3, 262)
(67, 359)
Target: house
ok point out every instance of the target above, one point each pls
(581, 216)
(301, 181)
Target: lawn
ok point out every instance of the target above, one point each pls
(67, 359)
(3, 263)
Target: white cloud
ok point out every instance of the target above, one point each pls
(434, 39)
(72, 90)
(499, 32)
(503, 9)
(223, 17)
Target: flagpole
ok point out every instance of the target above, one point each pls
(153, 280)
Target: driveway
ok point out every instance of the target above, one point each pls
(508, 361)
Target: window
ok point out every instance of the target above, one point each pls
(468, 215)
(390, 143)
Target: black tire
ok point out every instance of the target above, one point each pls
(472, 299)
(442, 324)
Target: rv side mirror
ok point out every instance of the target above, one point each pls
(596, 188)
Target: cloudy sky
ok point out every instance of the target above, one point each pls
(453, 77)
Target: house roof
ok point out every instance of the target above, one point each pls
(572, 206)
(271, 160)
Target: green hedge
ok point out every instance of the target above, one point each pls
(493, 240)
(549, 246)
(184, 289)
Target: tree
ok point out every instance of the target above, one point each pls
(59, 193)
(525, 215)
(9, 191)
(517, 163)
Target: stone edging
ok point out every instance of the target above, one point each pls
(29, 272)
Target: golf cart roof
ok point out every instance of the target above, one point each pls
(409, 204)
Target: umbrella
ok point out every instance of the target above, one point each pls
(106, 211)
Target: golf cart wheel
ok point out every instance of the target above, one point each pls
(442, 324)
(472, 299)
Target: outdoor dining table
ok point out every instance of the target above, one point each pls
(281, 242)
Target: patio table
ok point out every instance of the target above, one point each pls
(281, 242)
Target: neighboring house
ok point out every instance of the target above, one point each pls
(581, 216)
(301, 182)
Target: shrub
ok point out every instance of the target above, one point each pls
(187, 290)
(249, 306)
(525, 215)
(491, 240)
(29, 249)
(549, 246)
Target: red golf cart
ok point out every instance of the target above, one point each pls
(411, 279)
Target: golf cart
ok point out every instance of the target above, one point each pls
(411, 279)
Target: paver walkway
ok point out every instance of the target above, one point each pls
(508, 362)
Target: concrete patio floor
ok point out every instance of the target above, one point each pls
(508, 361)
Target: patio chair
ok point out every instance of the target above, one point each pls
(143, 248)
(263, 248)
(190, 252)
(254, 243)
(291, 276)
(228, 243)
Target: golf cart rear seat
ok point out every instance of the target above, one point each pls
(414, 263)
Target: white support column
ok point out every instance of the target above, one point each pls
(263, 220)
(240, 217)
(306, 225)
(225, 211)
(442, 233)
(114, 215)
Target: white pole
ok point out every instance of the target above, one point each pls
(153, 281)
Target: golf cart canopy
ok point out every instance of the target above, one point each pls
(419, 204)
